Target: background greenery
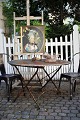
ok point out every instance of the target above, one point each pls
(59, 9)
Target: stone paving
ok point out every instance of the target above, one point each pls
(52, 106)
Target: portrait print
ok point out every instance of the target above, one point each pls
(32, 39)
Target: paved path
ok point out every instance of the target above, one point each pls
(52, 106)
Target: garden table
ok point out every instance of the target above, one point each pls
(39, 64)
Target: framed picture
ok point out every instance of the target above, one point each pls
(32, 39)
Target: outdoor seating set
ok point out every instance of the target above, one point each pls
(38, 64)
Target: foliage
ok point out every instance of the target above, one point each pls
(77, 23)
(60, 30)
(11, 6)
(59, 10)
(35, 22)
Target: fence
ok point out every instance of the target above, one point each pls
(64, 46)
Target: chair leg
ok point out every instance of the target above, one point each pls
(58, 90)
(10, 86)
(74, 85)
(0, 82)
(71, 90)
(8, 92)
(6, 83)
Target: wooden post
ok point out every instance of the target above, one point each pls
(15, 40)
(42, 18)
(28, 12)
(14, 23)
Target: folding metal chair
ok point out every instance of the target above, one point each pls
(8, 78)
(71, 77)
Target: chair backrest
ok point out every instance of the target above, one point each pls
(79, 67)
(2, 67)
(76, 56)
(74, 59)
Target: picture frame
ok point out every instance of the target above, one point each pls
(32, 39)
